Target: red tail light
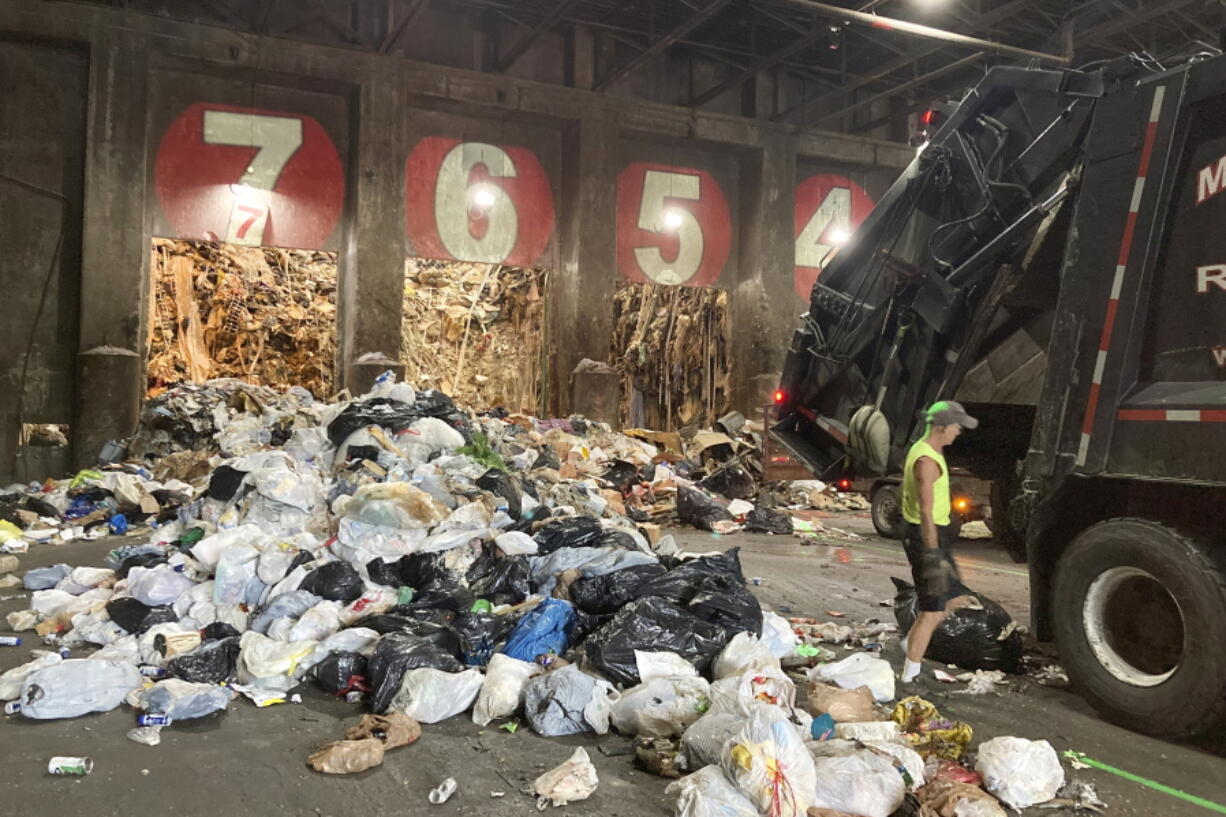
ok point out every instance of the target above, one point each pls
(779, 397)
(844, 484)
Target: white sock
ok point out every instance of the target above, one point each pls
(911, 670)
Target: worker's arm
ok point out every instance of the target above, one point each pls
(927, 472)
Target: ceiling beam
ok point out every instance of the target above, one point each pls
(551, 19)
(885, 69)
(656, 48)
(411, 13)
(928, 32)
(1125, 22)
(764, 64)
(901, 87)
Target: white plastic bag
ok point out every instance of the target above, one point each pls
(272, 665)
(857, 670)
(777, 634)
(573, 780)
(769, 687)
(13, 680)
(183, 700)
(431, 695)
(661, 707)
(744, 653)
(157, 586)
(503, 688)
(769, 763)
(652, 665)
(703, 743)
(1020, 772)
(209, 549)
(76, 687)
(708, 793)
(318, 623)
(235, 569)
(516, 543)
(863, 783)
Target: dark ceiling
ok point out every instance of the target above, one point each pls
(845, 63)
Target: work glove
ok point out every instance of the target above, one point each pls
(936, 572)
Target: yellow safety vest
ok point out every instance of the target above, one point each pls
(910, 486)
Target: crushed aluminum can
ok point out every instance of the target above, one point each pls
(155, 720)
(10, 641)
(12, 707)
(70, 765)
(443, 792)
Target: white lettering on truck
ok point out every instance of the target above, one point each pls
(1210, 274)
(1210, 180)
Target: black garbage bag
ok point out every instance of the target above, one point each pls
(394, 415)
(586, 624)
(141, 560)
(445, 594)
(568, 531)
(621, 475)
(509, 583)
(385, 573)
(652, 624)
(697, 509)
(732, 481)
(213, 662)
(713, 589)
(397, 653)
(341, 672)
(219, 630)
(224, 482)
(968, 638)
(43, 508)
(616, 539)
(362, 452)
(335, 581)
(767, 520)
(433, 403)
(600, 595)
(481, 635)
(136, 617)
(421, 569)
(303, 557)
(438, 633)
(502, 484)
(548, 459)
(481, 568)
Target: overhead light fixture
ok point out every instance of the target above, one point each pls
(838, 236)
(673, 219)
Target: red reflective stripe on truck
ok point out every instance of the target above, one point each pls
(1113, 302)
(1174, 415)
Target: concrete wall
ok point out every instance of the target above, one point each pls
(374, 156)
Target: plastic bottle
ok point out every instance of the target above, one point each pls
(442, 793)
(10, 641)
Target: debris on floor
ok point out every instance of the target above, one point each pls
(422, 561)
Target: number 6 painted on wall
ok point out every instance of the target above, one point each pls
(456, 197)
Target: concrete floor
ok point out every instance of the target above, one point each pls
(251, 761)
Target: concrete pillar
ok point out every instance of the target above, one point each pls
(580, 57)
(371, 290)
(763, 304)
(114, 247)
(582, 289)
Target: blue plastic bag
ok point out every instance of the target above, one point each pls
(545, 630)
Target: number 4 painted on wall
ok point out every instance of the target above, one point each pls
(276, 138)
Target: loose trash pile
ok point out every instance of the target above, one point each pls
(425, 563)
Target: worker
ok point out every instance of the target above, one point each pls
(927, 533)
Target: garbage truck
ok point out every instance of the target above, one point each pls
(1055, 259)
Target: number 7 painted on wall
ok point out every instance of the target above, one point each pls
(276, 139)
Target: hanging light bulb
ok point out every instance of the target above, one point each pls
(483, 197)
(839, 236)
(673, 219)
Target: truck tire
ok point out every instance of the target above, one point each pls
(1002, 528)
(1139, 613)
(886, 511)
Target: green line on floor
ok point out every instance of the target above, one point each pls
(1153, 784)
(969, 562)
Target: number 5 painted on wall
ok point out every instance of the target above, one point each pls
(656, 216)
(276, 139)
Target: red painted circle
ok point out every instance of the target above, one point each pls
(528, 190)
(710, 210)
(192, 181)
(810, 194)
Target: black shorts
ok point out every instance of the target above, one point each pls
(913, 544)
